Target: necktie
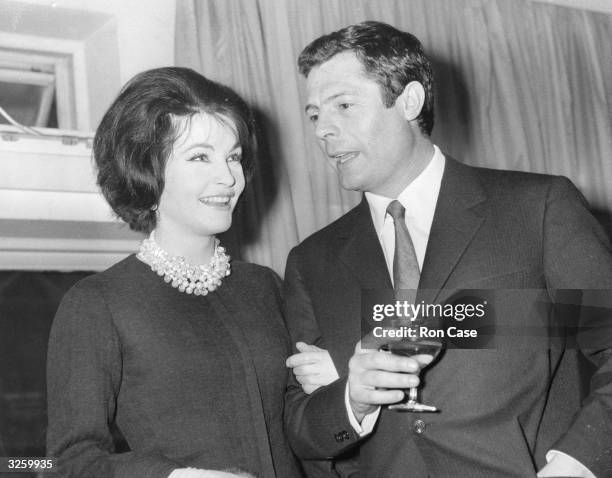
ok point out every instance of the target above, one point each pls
(406, 272)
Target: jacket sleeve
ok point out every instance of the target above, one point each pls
(577, 256)
(84, 370)
(317, 425)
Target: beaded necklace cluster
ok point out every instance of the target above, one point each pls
(180, 274)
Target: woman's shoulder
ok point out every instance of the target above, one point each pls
(254, 274)
(84, 309)
(113, 280)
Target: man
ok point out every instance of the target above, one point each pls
(503, 412)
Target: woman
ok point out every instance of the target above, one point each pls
(179, 348)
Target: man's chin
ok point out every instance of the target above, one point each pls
(350, 183)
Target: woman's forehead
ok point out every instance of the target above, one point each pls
(204, 127)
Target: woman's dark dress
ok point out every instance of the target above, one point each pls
(189, 380)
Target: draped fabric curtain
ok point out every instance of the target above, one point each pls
(520, 85)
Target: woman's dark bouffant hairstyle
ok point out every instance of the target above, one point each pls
(136, 135)
(390, 57)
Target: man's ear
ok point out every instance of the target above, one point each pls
(410, 101)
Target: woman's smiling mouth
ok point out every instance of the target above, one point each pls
(217, 201)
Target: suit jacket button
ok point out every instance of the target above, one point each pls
(346, 435)
(339, 437)
(418, 427)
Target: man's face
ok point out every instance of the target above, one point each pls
(367, 144)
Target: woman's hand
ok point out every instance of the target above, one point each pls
(313, 367)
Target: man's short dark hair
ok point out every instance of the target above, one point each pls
(390, 57)
(137, 133)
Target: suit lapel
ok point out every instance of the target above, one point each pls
(457, 218)
(360, 251)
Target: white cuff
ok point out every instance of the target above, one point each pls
(367, 424)
(562, 464)
(185, 473)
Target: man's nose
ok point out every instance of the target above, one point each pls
(326, 127)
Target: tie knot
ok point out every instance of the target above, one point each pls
(396, 210)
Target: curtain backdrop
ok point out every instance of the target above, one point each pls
(520, 85)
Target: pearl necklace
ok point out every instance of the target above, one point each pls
(197, 280)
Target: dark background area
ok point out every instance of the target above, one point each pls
(28, 302)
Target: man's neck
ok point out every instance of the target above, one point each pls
(417, 159)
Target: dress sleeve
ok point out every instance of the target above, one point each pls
(84, 368)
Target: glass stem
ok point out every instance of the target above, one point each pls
(412, 395)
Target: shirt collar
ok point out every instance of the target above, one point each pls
(419, 197)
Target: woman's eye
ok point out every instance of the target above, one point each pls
(235, 158)
(345, 106)
(199, 157)
(313, 118)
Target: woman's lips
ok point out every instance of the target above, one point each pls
(217, 201)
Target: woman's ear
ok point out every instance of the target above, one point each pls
(410, 101)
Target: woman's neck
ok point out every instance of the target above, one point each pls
(195, 249)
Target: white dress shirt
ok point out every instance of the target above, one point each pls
(419, 199)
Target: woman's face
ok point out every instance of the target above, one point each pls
(203, 178)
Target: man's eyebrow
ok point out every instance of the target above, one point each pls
(329, 99)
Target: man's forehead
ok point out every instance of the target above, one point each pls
(344, 65)
(342, 73)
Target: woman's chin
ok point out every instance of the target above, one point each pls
(218, 226)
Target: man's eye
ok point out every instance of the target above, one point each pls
(313, 118)
(345, 106)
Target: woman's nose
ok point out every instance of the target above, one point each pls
(224, 174)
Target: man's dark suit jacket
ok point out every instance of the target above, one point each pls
(502, 409)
